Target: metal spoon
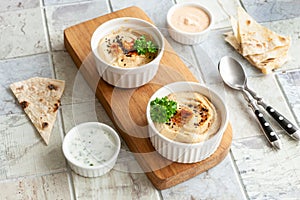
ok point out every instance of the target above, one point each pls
(234, 76)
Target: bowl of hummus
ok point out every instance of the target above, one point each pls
(186, 121)
(127, 51)
(189, 23)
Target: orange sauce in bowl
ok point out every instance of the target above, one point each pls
(190, 19)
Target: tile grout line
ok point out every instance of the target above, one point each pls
(68, 169)
(198, 64)
(32, 176)
(285, 96)
(109, 6)
(238, 175)
(60, 116)
(47, 37)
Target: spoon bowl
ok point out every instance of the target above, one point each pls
(232, 73)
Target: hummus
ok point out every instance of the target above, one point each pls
(195, 120)
(117, 48)
(190, 19)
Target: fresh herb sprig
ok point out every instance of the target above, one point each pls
(162, 109)
(143, 46)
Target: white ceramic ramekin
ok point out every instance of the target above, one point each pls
(127, 77)
(188, 37)
(81, 132)
(183, 152)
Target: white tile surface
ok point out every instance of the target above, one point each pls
(272, 10)
(28, 33)
(58, 2)
(23, 151)
(84, 112)
(155, 9)
(220, 182)
(42, 187)
(11, 5)
(19, 69)
(76, 89)
(267, 173)
(290, 83)
(63, 16)
(215, 48)
(115, 185)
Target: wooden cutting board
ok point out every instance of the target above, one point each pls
(127, 107)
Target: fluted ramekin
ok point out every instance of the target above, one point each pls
(80, 131)
(184, 152)
(185, 37)
(127, 77)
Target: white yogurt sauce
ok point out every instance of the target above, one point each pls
(92, 147)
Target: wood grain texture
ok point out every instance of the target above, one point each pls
(127, 107)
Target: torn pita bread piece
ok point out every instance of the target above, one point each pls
(255, 38)
(265, 62)
(262, 47)
(40, 99)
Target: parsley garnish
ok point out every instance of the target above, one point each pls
(162, 109)
(143, 46)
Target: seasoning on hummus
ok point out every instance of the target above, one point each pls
(195, 119)
(190, 19)
(127, 48)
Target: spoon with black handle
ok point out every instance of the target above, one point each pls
(269, 132)
(234, 76)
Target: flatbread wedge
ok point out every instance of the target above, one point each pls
(267, 61)
(40, 99)
(255, 38)
(262, 47)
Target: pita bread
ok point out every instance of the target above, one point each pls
(262, 47)
(232, 40)
(255, 38)
(234, 25)
(40, 99)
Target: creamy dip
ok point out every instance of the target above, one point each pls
(195, 120)
(190, 19)
(117, 48)
(92, 147)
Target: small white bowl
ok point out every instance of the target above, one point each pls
(185, 37)
(91, 148)
(127, 77)
(183, 152)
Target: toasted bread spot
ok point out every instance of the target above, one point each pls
(52, 87)
(24, 104)
(56, 106)
(282, 39)
(44, 125)
(20, 88)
